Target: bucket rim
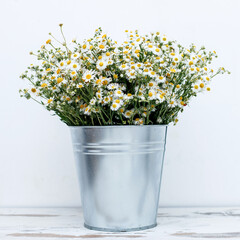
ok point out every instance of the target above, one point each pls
(122, 126)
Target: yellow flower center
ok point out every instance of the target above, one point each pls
(74, 65)
(178, 86)
(44, 85)
(84, 46)
(191, 63)
(59, 80)
(101, 46)
(48, 69)
(150, 94)
(201, 85)
(117, 101)
(88, 76)
(61, 64)
(33, 90)
(123, 66)
(114, 105)
(58, 71)
(68, 62)
(48, 41)
(101, 64)
(150, 84)
(196, 86)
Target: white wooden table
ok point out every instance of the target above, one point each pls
(67, 223)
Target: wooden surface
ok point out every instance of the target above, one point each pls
(67, 223)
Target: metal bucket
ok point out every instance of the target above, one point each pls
(119, 170)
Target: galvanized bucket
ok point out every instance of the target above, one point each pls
(119, 170)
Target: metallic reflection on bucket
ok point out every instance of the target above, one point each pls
(119, 170)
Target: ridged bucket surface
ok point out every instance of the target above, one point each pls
(119, 170)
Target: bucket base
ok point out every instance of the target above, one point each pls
(120, 230)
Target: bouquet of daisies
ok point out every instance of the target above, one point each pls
(144, 80)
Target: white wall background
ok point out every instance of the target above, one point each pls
(202, 164)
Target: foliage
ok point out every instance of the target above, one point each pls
(145, 80)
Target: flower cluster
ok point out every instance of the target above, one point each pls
(145, 80)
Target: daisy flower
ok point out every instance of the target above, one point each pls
(75, 66)
(151, 84)
(101, 46)
(138, 121)
(88, 75)
(118, 93)
(128, 114)
(151, 94)
(113, 86)
(99, 95)
(123, 67)
(157, 51)
(75, 55)
(115, 106)
(87, 111)
(128, 96)
(131, 74)
(73, 73)
(106, 99)
(62, 64)
(101, 64)
(92, 101)
(85, 47)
